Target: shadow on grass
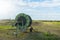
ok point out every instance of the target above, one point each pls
(41, 36)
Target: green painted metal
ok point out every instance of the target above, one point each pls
(23, 21)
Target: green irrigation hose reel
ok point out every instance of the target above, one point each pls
(23, 21)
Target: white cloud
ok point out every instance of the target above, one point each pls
(5, 8)
(46, 3)
(20, 2)
(10, 8)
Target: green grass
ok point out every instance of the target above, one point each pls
(42, 31)
(6, 27)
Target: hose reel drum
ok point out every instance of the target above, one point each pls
(23, 21)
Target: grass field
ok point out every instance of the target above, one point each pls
(42, 31)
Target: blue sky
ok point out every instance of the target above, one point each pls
(37, 9)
